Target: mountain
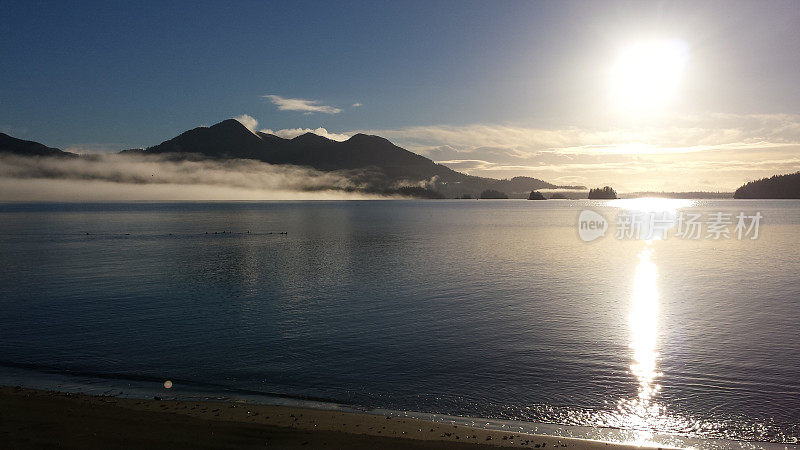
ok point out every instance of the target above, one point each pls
(9, 144)
(778, 186)
(381, 161)
(231, 139)
(372, 162)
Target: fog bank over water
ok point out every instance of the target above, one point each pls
(161, 177)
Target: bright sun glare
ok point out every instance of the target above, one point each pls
(647, 75)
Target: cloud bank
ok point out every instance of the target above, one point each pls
(159, 177)
(299, 104)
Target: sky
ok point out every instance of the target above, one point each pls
(656, 95)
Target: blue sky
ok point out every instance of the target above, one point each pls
(447, 79)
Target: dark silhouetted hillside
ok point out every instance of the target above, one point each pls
(386, 163)
(231, 139)
(9, 144)
(778, 186)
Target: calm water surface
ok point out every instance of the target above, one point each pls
(477, 308)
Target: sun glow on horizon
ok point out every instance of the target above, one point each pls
(646, 76)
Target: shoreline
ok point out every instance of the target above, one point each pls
(40, 418)
(136, 395)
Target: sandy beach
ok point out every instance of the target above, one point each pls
(43, 419)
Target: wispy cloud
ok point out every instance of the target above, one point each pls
(248, 121)
(299, 104)
(682, 134)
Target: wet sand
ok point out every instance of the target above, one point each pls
(43, 419)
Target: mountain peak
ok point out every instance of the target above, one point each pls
(228, 138)
(310, 138)
(230, 124)
(367, 138)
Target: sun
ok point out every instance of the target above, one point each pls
(647, 75)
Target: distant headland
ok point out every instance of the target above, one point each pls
(778, 186)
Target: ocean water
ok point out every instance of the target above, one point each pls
(492, 309)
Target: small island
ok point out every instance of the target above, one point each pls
(536, 195)
(604, 193)
(778, 186)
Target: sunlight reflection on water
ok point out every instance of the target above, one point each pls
(641, 411)
(644, 414)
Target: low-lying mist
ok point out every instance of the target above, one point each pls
(166, 177)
